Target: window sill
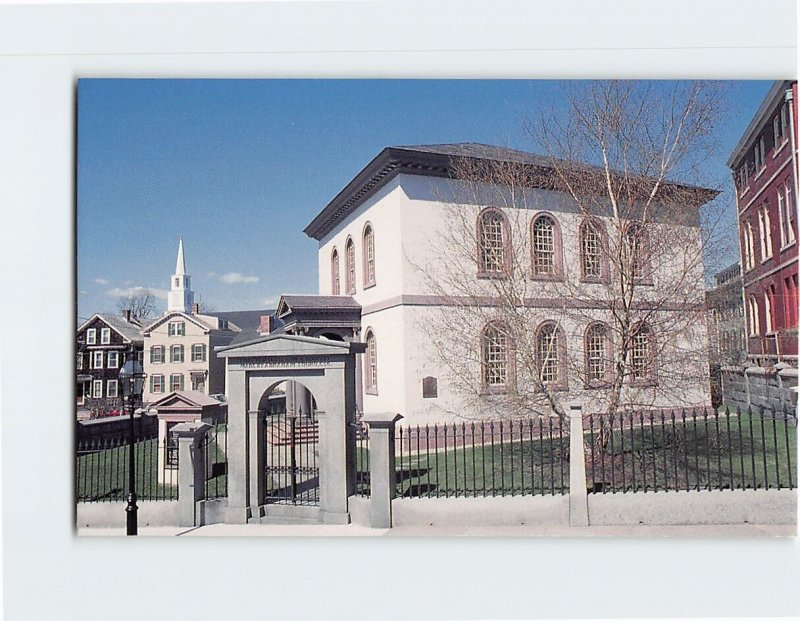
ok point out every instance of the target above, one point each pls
(596, 385)
(492, 275)
(487, 391)
(766, 259)
(776, 152)
(745, 191)
(643, 282)
(371, 391)
(547, 277)
(761, 171)
(644, 383)
(369, 285)
(789, 245)
(594, 280)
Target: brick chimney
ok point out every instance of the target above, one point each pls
(195, 308)
(127, 314)
(267, 324)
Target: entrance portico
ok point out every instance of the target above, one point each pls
(327, 369)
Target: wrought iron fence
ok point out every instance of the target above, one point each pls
(215, 445)
(291, 470)
(362, 480)
(502, 458)
(101, 470)
(691, 450)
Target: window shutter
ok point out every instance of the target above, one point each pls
(204, 352)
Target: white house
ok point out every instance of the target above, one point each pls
(389, 238)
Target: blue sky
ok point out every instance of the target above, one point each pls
(239, 167)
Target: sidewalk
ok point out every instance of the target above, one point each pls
(354, 530)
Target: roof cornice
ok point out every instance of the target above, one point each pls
(393, 161)
(775, 94)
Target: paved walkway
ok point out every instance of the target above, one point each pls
(354, 530)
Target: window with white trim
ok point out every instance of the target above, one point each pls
(97, 389)
(753, 323)
(596, 337)
(111, 388)
(496, 357)
(335, 285)
(749, 252)
(176, 328)
(641, 354)
(371, 379)
(105, 336)
(591, 251)
(786, 213)
(156, 383)
(91, 336)
(176, 381)
(350, 258)
(113, 360)
(369, 256)
(492, 240)
(765, 233)
(547, 353)
(758, 154)
(769, 318)
(97, 360)
(544, 246)
(176, 353)
(157, 354)
(199, 352)
(79, 361)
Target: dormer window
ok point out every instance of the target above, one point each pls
(176, 328)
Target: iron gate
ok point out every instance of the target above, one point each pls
(292, 474)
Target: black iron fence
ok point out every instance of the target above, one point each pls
(691, 450)
(291, 470)
(215, 448)
(362, 487)
(503, 458)
(101, 470)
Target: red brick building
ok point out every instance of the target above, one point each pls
(764, 166)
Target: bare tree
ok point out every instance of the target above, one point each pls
(607, 302)
(142, 304)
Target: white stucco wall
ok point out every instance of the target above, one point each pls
(413, 217)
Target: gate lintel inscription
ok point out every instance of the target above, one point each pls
(265, 363)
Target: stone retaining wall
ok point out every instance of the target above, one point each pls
(768, 388)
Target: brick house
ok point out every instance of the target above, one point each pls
(764, 165)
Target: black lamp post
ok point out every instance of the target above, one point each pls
(131, 383)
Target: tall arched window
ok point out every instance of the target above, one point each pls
(335, 287)
(350, 259)
(371, 370)
(636, 251)
(497, 358)
(642, 354)
(369, 256)
(593, 266)
(550, 354)
(596, 343)
(545, 247)
(493, 243)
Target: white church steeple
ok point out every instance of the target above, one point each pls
(181, 296)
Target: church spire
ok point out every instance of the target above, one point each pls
(181, 296)
(180, 265)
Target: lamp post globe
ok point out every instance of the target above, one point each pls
(131, 383)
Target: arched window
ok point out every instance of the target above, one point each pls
(545, 247)
(753, 319)
(369, 256)
(550, 354)
(335, 287)
(642, 354)
(596, 343)
(497, 358)
(636, 251)
(593, 260)
(493, 243)
(371, 369)
(350, 259)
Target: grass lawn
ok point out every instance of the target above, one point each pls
(103, 475)
(505, 469)
(742, 451)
